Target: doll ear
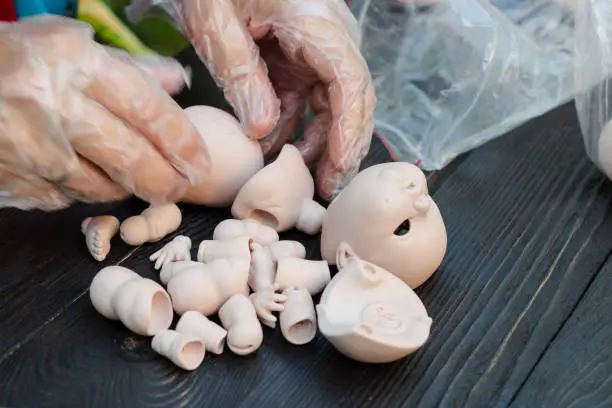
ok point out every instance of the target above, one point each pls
(344, 254)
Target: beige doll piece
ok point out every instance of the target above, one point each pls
(195, 324)
(186, 352)
(98, 232)
(286, 249)
(142, 305)
(264, 259)
(258, 232)
(105, 284)
(173, 268)
(298, 319)
(281, 195)
(369, 314)
(236, 158)
(387, 216)
(301, 273)
(266, 302)
(209, 250)
(151, 225)
(262, 271)
(205, 287)
(179, 249)
(244, 332)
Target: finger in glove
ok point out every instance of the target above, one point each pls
(229, 52)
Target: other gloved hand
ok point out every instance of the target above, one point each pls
(77, 122)
(272, 57)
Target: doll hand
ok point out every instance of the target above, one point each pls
(267, 301)
(179, 249)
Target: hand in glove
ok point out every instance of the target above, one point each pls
(80, 122)
(272, 58)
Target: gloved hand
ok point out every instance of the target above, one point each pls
(272, 57)
(78, 121)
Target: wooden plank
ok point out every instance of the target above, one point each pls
(531, 215)
(108, 344)
(527, 221)
(44, 264)
(576, 370)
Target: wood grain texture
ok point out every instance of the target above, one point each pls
(576, 370)
(44, 263)
(528, 221)
(76, 345)
(528, 226)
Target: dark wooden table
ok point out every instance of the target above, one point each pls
(522, 305)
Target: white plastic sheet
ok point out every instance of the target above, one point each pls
(593, 79)
(451, 75)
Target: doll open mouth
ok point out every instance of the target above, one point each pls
(403, 229)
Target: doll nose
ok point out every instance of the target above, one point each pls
(422, 204)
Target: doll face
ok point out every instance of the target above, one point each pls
(388, 217)
(369, 314)
(395, 195)
(400, 195)
(370, 296)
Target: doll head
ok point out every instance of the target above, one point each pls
(387, 216)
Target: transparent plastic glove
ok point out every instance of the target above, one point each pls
(273, 58)
(81, 123)
(166, 72)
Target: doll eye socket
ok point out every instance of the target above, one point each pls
(403, 229)
(369, 269)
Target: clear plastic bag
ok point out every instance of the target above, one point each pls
(451, 75)
(593, 69)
